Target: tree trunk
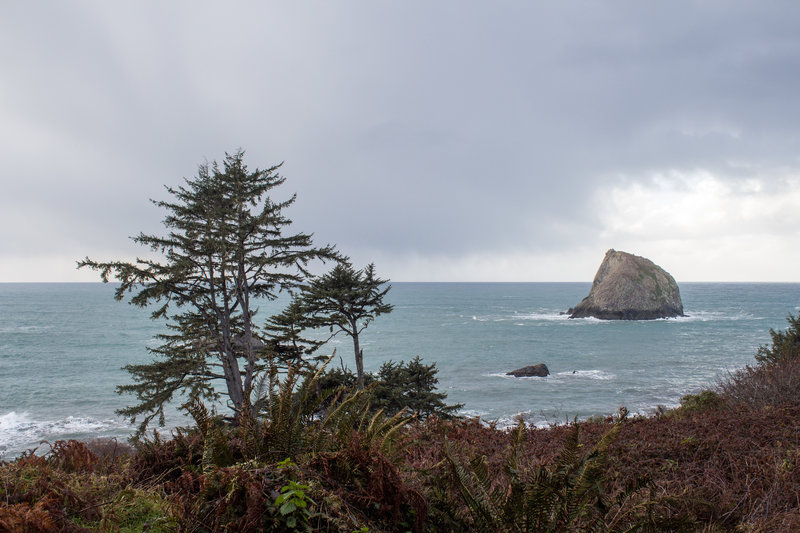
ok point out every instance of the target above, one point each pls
(359, 360)
(233, 380)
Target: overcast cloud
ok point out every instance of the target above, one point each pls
(442, 140)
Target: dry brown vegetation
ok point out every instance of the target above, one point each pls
(726, 468)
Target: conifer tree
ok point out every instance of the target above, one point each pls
(285, 331)
(227, 246)
(347, 300)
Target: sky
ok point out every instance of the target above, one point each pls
(443, 141)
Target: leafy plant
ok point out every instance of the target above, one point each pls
(293, 505)
(216, 451)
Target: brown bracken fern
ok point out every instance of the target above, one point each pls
(570, 495)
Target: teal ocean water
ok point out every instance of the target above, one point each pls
(62, 347)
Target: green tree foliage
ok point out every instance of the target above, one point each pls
(227, 246)
(286, 338)
(397, 387)
(413, 387)
(785, 344)
(347, 300)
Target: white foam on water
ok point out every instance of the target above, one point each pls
(471, 413)
(530, 418)
(691, 316)
(544, 315)
(560, 376)
(587, 374)
(18, 431)
(588, 320)
(24, 329)
(708, 316)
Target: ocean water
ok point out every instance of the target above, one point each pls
(62, 347)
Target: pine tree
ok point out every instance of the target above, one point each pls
(227, 247)
(411, 386)
(286, 330)
(347, 300)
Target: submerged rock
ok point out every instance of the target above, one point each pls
(629, 287)
(539, 370)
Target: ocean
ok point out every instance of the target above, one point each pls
(62, 347)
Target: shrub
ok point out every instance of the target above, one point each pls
(785, 344)
(702, 401)
(763, 385)
(398, 386)
(775, 380)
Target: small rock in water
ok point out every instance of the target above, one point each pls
(539, 370)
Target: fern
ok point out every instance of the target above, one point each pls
(216, 452)
(569, 495)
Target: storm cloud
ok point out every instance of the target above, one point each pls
(442, 140)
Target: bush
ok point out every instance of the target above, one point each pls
(775, 380)
(785, 344)
(702, 401)
(763, 386)
(397, 386)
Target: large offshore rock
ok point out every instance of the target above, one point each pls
(629, 287)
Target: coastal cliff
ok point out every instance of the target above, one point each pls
(630, 287)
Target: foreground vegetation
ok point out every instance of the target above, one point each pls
(727, 460)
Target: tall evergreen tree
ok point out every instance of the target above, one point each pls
(347, 300)
(227, 246)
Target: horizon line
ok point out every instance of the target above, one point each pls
(111, 282)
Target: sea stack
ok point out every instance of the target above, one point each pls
(629, 287)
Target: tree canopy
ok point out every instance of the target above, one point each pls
(347, 300)
(227, 245)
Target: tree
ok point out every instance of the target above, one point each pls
(285, 331)
(347, 300)
(395, 387)
(227, 247)
(411, 386)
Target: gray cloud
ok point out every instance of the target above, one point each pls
(408, 129)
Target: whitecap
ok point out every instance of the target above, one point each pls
(528, 417)
(471, 413)
(708, 316)
(587, 374)
(12, 420)
(549, 316)
(24, 329)
(19, 431)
